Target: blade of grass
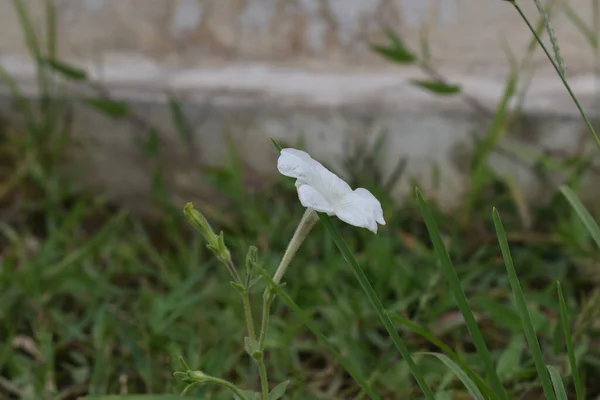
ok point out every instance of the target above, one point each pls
(583, 214)
(460, 297)
(28, 30)
(564, 320)
(51, 29)
(530, 334)
(376, 303)
(557, 383)
(32, 43)
(306, 320)
(448, 351)
(558, 71)
(464, 378)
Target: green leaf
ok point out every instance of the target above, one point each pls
(249, 394)
(557, 383)
(115, 109)
(564, 321)
(64, 69)
(510, 359)
(392, 54)
(583, 213)
(459, 296)
(396, 51)
(277, 145)
(437, 87)
(279, 390)
(532, 340)
(464, 378)
(251, 262)
(237, 286)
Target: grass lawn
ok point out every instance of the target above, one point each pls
(95, 300)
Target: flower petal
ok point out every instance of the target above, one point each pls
(300, 165)
(360, 208)
(331, 186)
(322, 190)
(296, 163)
(310, 197)
(377, 210)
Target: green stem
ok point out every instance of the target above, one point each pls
(262, 371)
(267, 301)
(561, 75)
(308, 221)
(264, 324)
(249, 319)
(222, 382)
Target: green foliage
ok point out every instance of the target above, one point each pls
(437, 87)
(95, 302)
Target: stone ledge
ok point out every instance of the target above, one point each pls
(334, 111)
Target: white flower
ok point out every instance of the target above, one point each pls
(322, 190)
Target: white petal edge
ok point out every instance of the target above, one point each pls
(296, 163)
(310, 197)
(360, 208)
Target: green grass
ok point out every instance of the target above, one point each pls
(95, 301)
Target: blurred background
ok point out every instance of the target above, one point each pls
(115, 113)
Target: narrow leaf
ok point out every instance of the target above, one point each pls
(583, 213)
(509, 361)
(64, 69)
(532, 340)
(393, 54)
(557, 383)
(249, 394)
(396, 51)
(437, 87)
(279, 390)
(115, 109)
(459, 296)
(464, 378)
(277, 145)
(564, 321)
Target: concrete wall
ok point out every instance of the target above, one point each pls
(282, 68)
(464, 34)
